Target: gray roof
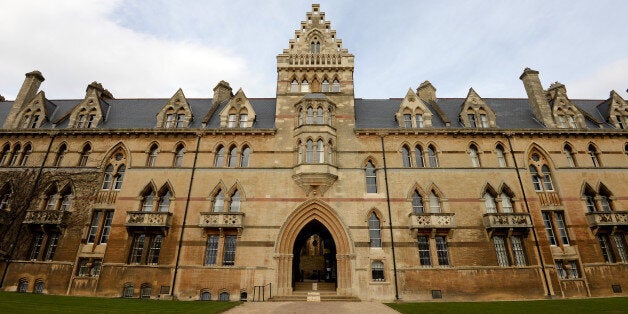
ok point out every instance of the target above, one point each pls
(511, 113)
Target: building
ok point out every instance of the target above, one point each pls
(232, 197)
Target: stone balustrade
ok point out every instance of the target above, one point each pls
(432, 221)
(507, 220)
(607, 219)
(221, 220)
(148, 219)
(45, 217)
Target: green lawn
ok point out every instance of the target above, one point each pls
(11, 302)
(590, 306)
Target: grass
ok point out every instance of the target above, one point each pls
(606, 305)
(11, 302)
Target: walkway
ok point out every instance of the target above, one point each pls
(311, 307)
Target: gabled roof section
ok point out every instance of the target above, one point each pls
(91, 111)
(474, 107)
(315, 36)
(412, 105)
(238, 112)
(38, 106)
(614, 110)
(176, 112)
(564, 111)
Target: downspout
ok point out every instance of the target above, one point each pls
(185, 215)
(525, 201)
(27, 203)
(392, 239)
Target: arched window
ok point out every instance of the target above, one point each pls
(106, 182)
(233, 157)
(152, 155)
(223, 296)
(335, 87)
(299, 152)
(147, 200)
(220, 157)
(305, 86)
(244, 119)
(51, 199)
(178, 156)
(329, 152)
(377, 271)
(25, 154)
(164, 201)
(431, 154)
(325, 86)
(605, 200)
(219, 202)
(417, 203)
(489, 203)
(243, 296)
(434, 202)
(405, 157)
(419, 120)
(309, 151)
(294, 86)
(475, 158)
(319, 115)
(127, 291)
(87, 150)
(60, 155)
(5, 154)
(594, 156)
(66, 199)
(231, 119)
(206, 296)
(418, 156)
(320, 151)
(375, 231)
(506, 203)
(15, 155)
(571, 160)
(5, 197)
(300, 117)
(589, 197)
(153, 250)
(371, 178)
(536, 179)
(39, 287)
(145, 291)
(501, 157)
(407, 120)
(234, 207)
(22, 286)
(246, 155)
(119, 177)
(310, 115)
(547, 178)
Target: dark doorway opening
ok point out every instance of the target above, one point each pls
(314, 255)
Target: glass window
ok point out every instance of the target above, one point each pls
(206, 296)
(127, 292)
(53, 241)
(22, 286)
(607, 251)
(305, 86)
(60, 156)
(570, 157)
(38, 240)
(500, 249)
(25, 154)
(147, 201)
(325, 86)
(294, 86)
(442, 251)
(155, 248)
(419, 120)
(231, 120)
(475, 159)
(164, 202)
(93, 228)
(219, 202)
(590, 201)
(309, 151)
(375, 231)
(233, 157)
(518, 251)
(377, 271)
(228, 257)
(471, 118)
(606, 203)
(85, 155)
(244, 159)
(223, 296)
(407, 120)
(405, 157)
(211, 252)
(562, 228)
(178, 156)
(39, 287)
(66, 201)
(424, 251)
(547, 222)
(152, 156)
(594, 156)
(547, 178)
(310, 116)
(137, 249)
(489, 203)
(169, 121)
(431, 154)
(244, 120)
(483, 121)
(621, 247)
(180, 120)
(336, 86)
(106, 227)
(417, 203)
(234, 207)
(371, 178)
(418, 156)
(501, 158)
(434, 203)
(536, 180)
(320, 151)
(145, 291)
(220, 156)
(506, 203)
(320, 119)
(119, 177)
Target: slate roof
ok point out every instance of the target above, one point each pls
(511, 113)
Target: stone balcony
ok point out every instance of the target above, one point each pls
(315, 178)
(221, 220)
(312, 129)
(45, 217)
(430, 221)
(148, 219)
(507, 221)
(608, 220)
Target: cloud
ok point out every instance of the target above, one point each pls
(75, 43)
(606, 78)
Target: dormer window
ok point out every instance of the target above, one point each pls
(180, 120)
(472, 122)
(80, 123)
(419, 120)
(483, 120)
(169, 121)
(243, 120)
(407, 120)
(231, 123)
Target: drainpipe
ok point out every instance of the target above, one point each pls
(185, 215)
(31, 195)
(392, 239)
(525, 201)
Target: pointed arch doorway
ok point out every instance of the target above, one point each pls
(314, 256)
(311, 221)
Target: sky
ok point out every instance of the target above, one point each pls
(149, 49)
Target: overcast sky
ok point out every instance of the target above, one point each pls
(149, 49)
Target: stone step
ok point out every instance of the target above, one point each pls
(303, 297)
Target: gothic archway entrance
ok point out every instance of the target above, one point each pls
(314, 256)
(314, 218)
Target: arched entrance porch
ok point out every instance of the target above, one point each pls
(313, 218)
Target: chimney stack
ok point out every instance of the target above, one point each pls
(426, 91)
(537, 97)
(27, 92)
(222, 92)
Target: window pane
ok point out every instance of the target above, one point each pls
(431, 153)
(517, 250)
(506, 203)
(230, 248)
(607, 252)
(562, 229)
(621, 247)
(489, 203)
(234, 207)
(405, 156)
(547, 222)
(137, 249)
(219, 202)
(155, 248)
(212, 250)
(93, 228)
(417, 203)
(53, 240)
(418, 155)
(434, 203)
(106, 228)
(371, 178)
(377, 271)
(375, 231)
(424, 251)
(500, 249)
(442, 251)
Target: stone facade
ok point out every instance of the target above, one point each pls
(413, 198)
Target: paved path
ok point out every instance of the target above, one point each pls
(311, 307)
